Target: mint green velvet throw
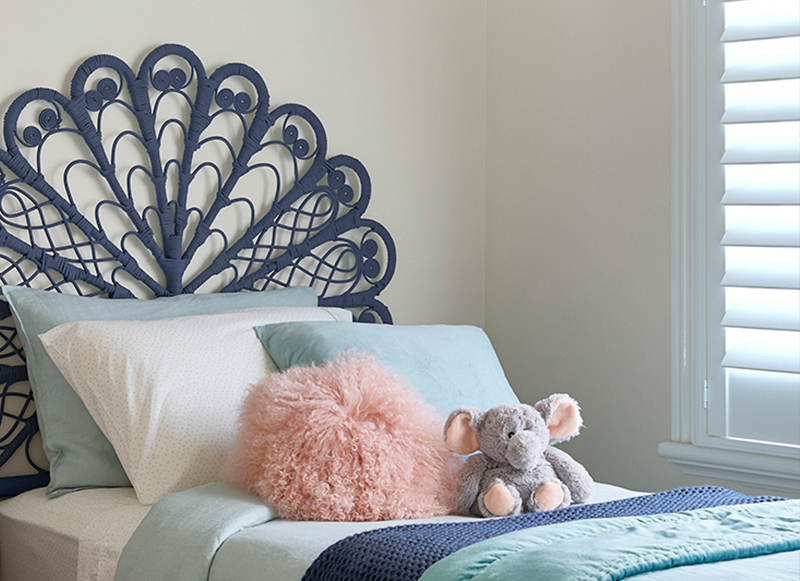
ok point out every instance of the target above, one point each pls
(657, 547)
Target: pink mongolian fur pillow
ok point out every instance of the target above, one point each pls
(347, 441)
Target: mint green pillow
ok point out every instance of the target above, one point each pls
(450, 366)
(80, 455)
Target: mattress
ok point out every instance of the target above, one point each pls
(81, 535)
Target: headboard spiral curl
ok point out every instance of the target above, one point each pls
(173, 181)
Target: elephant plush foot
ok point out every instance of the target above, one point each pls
(501, 501)
(549, 496)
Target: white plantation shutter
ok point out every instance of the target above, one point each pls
(753, 221)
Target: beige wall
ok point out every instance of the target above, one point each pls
(399, 85)
(578, 220)
(578, 229)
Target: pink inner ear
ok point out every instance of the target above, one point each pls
(565, 419)
(460, 437)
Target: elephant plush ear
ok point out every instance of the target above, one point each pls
(459, 430)
(562, 416)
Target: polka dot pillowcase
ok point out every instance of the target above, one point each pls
(167, 393)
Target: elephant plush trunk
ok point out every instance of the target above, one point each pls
(524, 450)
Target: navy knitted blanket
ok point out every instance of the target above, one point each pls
(403, 553)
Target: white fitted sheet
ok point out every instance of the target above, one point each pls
(76, 536)
(80, 536)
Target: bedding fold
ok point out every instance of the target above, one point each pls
(179, 538)
(192, 535)
(404, 553)
(612, 549)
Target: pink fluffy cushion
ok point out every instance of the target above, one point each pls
(345, 441)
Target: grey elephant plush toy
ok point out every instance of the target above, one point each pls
(518, 470)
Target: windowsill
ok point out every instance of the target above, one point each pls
(759, 469)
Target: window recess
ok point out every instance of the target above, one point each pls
(736, 214)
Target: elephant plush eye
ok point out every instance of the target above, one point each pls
(511, 435)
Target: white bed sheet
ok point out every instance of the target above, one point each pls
(76, 536)
(80, 536)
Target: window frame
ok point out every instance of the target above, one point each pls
(691, 448)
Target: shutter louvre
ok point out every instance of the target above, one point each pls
(767, 184)
(767, 19)
(764, 101)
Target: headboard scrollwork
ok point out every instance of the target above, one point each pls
(175, 181)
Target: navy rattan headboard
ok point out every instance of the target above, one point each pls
(173, 181)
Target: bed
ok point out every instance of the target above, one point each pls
(157, 217)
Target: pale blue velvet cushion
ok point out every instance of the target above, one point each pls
(80, 455)
(450, 365)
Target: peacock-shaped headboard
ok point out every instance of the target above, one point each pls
(171, 181)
